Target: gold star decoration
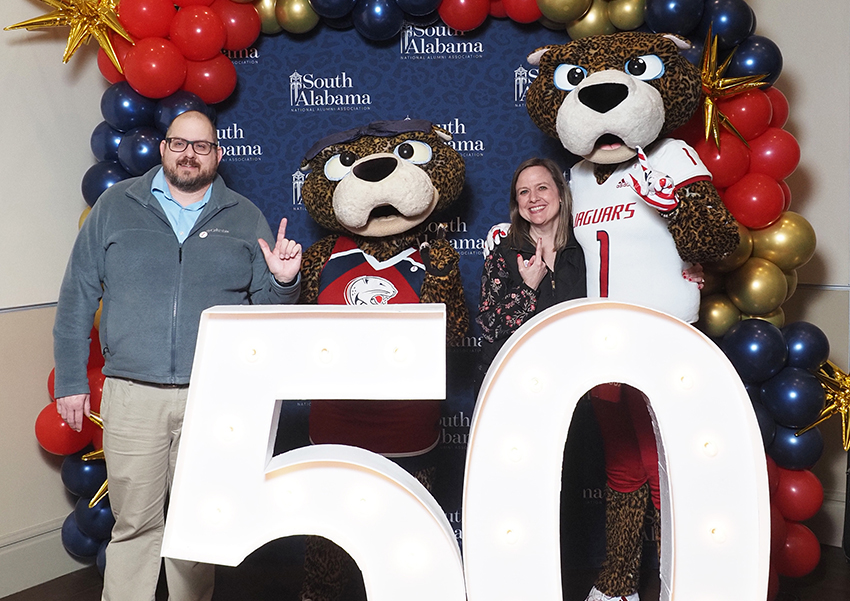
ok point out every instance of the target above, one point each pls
(836, 385)
(716, 87)
(104, 488)
(87, 19)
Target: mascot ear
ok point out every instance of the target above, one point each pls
(534, 57)
(442, 134)
(681, 43)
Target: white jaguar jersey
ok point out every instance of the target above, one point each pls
(630, 255)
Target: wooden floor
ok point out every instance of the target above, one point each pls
(266, 575)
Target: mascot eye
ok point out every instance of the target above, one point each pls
(646, 67)
(567, 77)
(338, 166)
(414, 151)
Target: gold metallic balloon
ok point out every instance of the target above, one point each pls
(296, 16)
(717, 313)
(83, 216)
(789, 242)
(626, 14)
(757, 287)
(594, 22)
(791, 278)
(564, 11)
(97, 315)
(712, 283)
(268, 18)
(736, 258)
(776, 317)
(550, 24)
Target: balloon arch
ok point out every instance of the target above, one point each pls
(176, 55)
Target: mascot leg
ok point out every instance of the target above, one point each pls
(631, 463)
(328, 568)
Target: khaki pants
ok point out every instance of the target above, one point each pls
(142, 425)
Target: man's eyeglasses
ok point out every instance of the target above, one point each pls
(199, 146)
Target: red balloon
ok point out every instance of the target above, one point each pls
(775, 153)
(778, 530)
(146, 18)
(242, 22)
(107, 69)
(522, 11)
(155, 68)
(95, 354)
(96, 378)
(51, 384)
(97, 438)
(749, 112)
(756, 200)
(213, 80)
(786, 191)
(464, 15)
(729, 163)
(497, 9)
(193, 2)
(57, 437)
(198, 32)
(799, 495)
(801, 552)
(780, 107)
(772, 475)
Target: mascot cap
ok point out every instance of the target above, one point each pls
(383, 129)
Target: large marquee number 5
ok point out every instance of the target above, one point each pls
(230, 496)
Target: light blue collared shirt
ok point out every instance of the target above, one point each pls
(182, 219)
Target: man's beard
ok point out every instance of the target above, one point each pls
(201, 180)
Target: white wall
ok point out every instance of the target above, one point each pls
(49, 111)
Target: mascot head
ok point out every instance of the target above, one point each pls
(382, 179)
(604, 95)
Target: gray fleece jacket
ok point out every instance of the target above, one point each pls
(154, 288)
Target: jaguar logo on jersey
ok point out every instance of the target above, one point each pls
(309, 92)
(436, 41)
(522, 79)
(297, 183)
(235, 147)
(369, 290)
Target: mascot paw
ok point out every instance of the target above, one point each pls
(494, 237)
(656, 188)
(439, 257)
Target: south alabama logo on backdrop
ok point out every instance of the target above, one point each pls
(473, 85)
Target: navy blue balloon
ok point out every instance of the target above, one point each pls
(97, 521)
(76, 542)
(673, 16)
(694, 53)
(731, 22)
(377, 20)
(767, 426)
(104, 142)
(101, 557)
(753, 391)
(139, 149)
(808, 346)
(124, 108)
(794, 397)
(332, 9)
(176, 104)
(418, 8)
(796, 452)
(82, 478)
(99, 177)
(423, 20)
(342, 23)
(756, 348)
(757, 55)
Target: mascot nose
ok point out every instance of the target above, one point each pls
(374, 170)
(602, 97)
